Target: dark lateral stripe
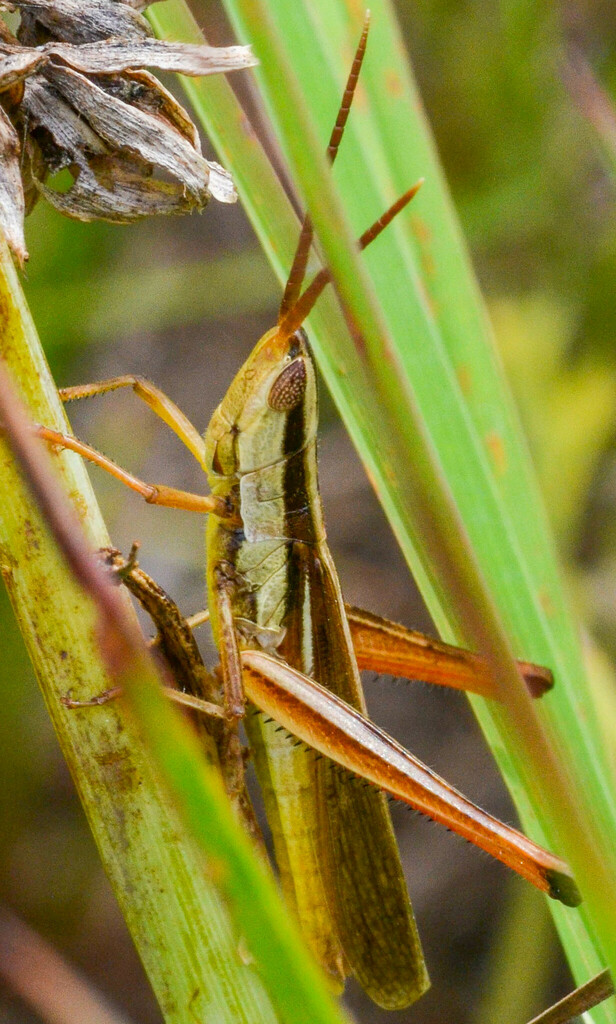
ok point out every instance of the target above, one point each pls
(294, 488)
(296, 498)
(292, 648)
(294, 430)
(300, 486)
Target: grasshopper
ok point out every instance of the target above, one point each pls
(287, 641)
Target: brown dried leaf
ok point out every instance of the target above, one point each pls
(114, 55)
(142, 90)
(129, 196)
(17, 62)
(72, 135)
(11, 190)
(73, 81)
(221, 183)
(85, 21)
(127, 127)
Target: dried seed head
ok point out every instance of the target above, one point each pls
(74, 94)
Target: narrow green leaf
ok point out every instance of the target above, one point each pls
(427, 349)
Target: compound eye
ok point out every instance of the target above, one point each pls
(288, 389)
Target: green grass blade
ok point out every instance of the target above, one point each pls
(435, 357)
(189, 924)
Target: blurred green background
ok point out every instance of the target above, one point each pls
(522, 100)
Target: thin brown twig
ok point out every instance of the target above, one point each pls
(590, 994)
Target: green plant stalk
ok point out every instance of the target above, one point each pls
(431, 310)
(188, 923)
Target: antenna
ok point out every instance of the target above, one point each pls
(298, 313)
(300, 260)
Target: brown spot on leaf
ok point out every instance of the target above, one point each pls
(545, 600)
(357, 8)
(465, 380)
(496, 448)
(428, 300)
(393, 83)
(31, 535)
(423, 234)
(80, 505)
(192, 1008)
(421, 230)
(119, 770)
(4, 320)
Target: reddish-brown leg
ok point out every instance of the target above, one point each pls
(156, 399)
(154, 494)
(384, 646)
(323, 721)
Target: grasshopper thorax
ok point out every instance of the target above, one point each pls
(270, 411)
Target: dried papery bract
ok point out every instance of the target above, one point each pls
(75, 96)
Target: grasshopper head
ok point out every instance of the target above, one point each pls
(270, 410)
